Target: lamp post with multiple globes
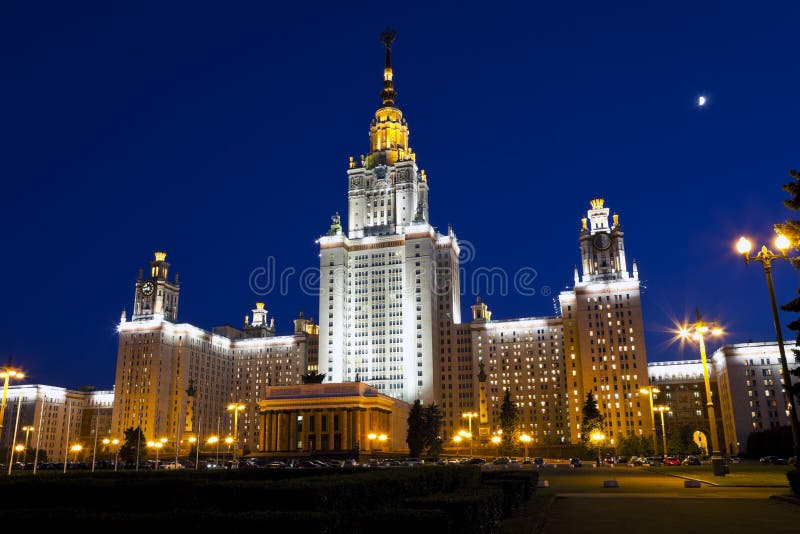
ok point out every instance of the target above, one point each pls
(765, 257)
(649, 391)
(7, 373)
(157, 445)
(525, 439)
(598, 438)
(697, 331)
(380, 438)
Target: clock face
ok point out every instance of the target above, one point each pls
(148, 288)
(601, 241)
(380, 171)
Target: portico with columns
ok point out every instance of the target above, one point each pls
(331, 417)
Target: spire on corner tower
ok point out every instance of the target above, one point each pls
(388, 95)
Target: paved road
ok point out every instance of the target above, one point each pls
(652, 503)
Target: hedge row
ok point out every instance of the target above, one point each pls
(441, 499)
(341, 492)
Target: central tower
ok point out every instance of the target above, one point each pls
(390, 281)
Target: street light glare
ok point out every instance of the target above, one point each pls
(744, 246)
(717, 331)
(782, 243)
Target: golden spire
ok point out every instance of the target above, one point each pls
(388, 132)
(388, 95)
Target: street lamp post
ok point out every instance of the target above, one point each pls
(27, 429)
(7, 373)
(157, 446)
(230, 441)
(526, 439)
(214, 440)
(649, 390)
(497, 440)
(75, 450)
(457, 440)
(765, 256)
(698, 331)
(663, 409)
(598, 438)
(470, 416)
(235, 407)
(115, 442)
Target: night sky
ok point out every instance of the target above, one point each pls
(221, 135)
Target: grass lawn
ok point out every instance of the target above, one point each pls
(740, 475)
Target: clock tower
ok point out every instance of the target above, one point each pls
(156, 295)
(602, 247)
(603, 322)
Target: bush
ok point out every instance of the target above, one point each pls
(529, 479)
(794, 480)
(398, 520)
(478, 511)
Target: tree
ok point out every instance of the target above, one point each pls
(415, 438)
(791, 229)
(509, 420)
(592, 419)
(432, 429)
(134, 444)
(680, 439)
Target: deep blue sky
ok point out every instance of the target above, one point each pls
(221, 135)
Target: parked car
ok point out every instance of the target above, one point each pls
(652, 461)
(734, 460)
(476, 461)
(691, 460)
(538, 461)
(622, 460)
(671, 460)
(773, 460)
(636, 460)
(609, 459)
(502, 460)
(575, 462)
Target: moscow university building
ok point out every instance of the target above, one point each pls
(389, 316)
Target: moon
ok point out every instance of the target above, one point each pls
(701, 101)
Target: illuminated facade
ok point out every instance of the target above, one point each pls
(751, 390)
(64, 417)
(549, 364)
(604, 330)
(389, 279)
(390, 317)
(158, 358)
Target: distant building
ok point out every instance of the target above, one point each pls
(751, 387)
(682, 388)
(160, 362)
(60, 418)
